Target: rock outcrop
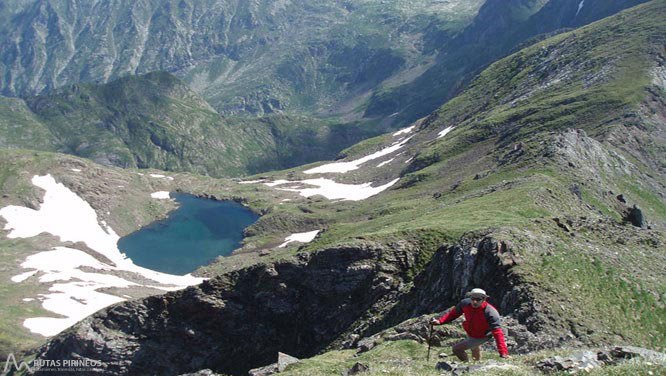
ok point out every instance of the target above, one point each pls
(240, 320)
(325, 299)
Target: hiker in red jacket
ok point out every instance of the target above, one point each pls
(481, 320)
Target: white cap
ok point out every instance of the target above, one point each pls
(477, 292)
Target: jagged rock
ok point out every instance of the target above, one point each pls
(264, 371)
(578, 361)
(635, 216)
(243, 317)
(403, 336)
(357, 368)
(561, 224)
(367, 344)
(629, 352)
(284, 360)
(445, 366)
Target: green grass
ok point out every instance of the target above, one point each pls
(650, 203)
(624, 309)
(409, 358)
(13, 336)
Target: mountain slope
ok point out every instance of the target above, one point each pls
(367, 61)
(20, 128)
(523, 185)
(499, 28)
(257, 56)
(155, 121)
(151, 121)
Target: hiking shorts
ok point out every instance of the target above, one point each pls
(470, 342)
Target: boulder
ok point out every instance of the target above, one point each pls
(634, 216)
(284, 360)
(367, 344)
(403, 336)
(264, 371)
(578, 361)
(630, 352)
(445, 366)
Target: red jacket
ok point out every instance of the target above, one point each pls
(479, 322)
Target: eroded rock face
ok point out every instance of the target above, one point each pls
(456, 269)
(240, 320)
(326, 299)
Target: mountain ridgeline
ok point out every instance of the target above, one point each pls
(358, 61)
(542, 182)
(351, 71)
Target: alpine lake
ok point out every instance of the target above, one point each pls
(190, 237)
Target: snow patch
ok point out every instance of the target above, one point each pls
(385, 162)
(160, 176)
(277, 182)
(78, 298)
(303, 237)
(76, 170)
(404, 131)
(580, 6)
(161, 195)
(332, 190)
(23, 276)
(342, 167)
(445, 132)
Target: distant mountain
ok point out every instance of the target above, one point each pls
(542, 182)
(243, 56)
(360, 60)
(500, 27)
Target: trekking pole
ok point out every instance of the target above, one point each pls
(429, 341)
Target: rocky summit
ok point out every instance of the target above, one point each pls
(525, 155)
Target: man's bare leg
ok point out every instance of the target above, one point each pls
(476, 353)
(459, 350)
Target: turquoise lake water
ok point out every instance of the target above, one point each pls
(192, 236)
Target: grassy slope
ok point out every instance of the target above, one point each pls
(20, 128)
(409, 358)
(472, 181)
